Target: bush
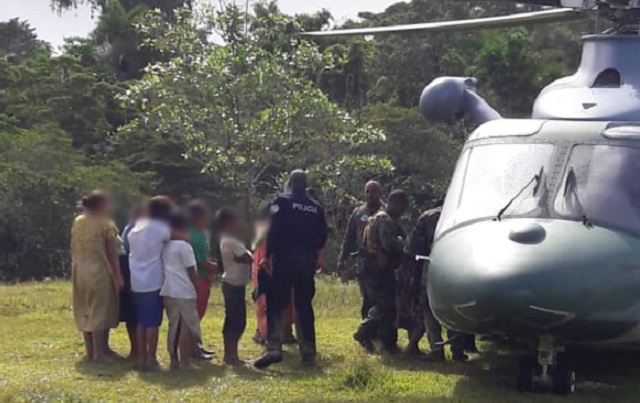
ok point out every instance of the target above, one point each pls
(41, 179)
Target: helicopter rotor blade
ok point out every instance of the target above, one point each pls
(545, 16)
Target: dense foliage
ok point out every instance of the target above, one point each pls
(220, 104)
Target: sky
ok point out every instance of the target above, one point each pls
(53, 28)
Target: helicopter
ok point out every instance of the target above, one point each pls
(539, 237)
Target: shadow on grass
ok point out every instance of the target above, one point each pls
(602, 375)
(177, 379)
(106, 372)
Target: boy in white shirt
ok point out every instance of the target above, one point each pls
(236, 261)
(146, 242)
(179, 292)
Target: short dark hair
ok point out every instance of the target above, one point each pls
(298, 181)
(178, 220)
(398, 195)
(197, 209)
(225, 216)
(94, 200)
(160, 208)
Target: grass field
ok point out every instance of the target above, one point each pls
(41, 355)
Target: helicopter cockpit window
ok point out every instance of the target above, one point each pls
(609, 78)
(601, 185)
(488, 177)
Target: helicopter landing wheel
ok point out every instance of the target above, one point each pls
(563, 375)
(527, 373)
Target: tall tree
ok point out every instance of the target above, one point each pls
(19, 42)
(167, 6)
(245, 112)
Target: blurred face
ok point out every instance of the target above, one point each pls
(201, 221)
(372, 193)
(179, 233)
(397, 207)
(136, 213)
(104, 210)
(233, 226)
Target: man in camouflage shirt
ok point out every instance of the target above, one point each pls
(419, 244)
(384, 243)
(353, 239)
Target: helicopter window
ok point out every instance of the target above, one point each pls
(453, 194)
(601, 185)
(609, 78)
(487, 177)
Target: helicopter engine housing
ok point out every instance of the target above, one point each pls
(605, 87)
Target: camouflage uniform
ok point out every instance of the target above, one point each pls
(419, 244)
(353, 243)
(384, 241)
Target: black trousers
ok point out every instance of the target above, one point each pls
(235, 311)
(299, 279)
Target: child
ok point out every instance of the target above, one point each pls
(179, 292)
(259, 253)
(146, 243)
(236, 260)
(199, 216)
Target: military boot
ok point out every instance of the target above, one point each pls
(268, 358)
(434, 356)
(365, 342)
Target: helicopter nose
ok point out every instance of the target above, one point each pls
(523, 275)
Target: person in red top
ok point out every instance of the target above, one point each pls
(259, 253)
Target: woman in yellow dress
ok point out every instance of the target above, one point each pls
(95, 274)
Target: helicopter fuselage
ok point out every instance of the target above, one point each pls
(563, 259)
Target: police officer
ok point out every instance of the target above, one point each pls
(295, 246)
(384, 242)
(353, 239)
(419, 245)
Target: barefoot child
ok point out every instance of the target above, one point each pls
(236, 260)
(179, 293)
(146, 243)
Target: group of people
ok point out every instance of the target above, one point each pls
(162, 262)
(390, 272)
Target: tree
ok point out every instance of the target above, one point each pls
(117, 35)
(19, 42)
(63, 91)
(246, 113)
(167, 6)
(514, 73)
(42, 177)
(423, 156)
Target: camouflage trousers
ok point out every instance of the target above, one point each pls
(366, 290)
(380, 321)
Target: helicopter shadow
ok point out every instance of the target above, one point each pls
(602, 375)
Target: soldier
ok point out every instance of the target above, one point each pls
(419, 244)
(384, 241)
(353, 240)
(295, 250)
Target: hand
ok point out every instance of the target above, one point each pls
(119, 281)
(320, 263)
(341, 268)
(212, 267)
(265, 264)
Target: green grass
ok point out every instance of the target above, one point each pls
(41, 351)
